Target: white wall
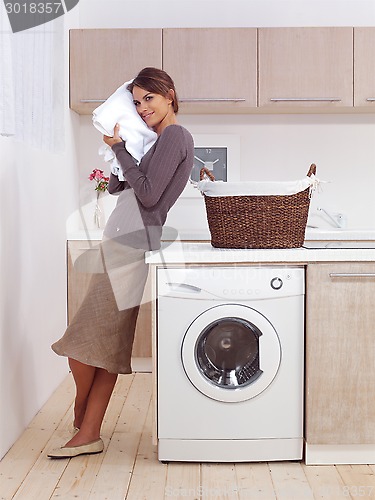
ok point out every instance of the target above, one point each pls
(225, 13)
(282, 147)
(38, 191)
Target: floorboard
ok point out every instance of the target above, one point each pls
(254, 481)
(129, 469)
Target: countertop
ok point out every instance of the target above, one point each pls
(181, 252)
(197, 253)
(199, 250)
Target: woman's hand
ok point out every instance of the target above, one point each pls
(115, 139)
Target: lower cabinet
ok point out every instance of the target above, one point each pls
(82, 261)
(340, 354)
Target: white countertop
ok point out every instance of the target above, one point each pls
(312, 234)
(201, 251)
(195, 253)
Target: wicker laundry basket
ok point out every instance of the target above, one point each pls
(260, 221)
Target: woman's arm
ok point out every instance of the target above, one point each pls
(114, 185)
(168, 154)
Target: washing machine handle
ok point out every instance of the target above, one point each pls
(184, 287)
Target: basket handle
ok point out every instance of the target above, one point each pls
(312, 170)
(205, 171)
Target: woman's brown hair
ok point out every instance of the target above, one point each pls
(157, 81)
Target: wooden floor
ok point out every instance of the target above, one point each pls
(129, 469)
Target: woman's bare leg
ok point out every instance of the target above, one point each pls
(83, 377)
(97, 403)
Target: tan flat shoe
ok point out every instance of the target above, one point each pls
(96, 446)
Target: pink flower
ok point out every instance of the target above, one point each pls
(101, 180)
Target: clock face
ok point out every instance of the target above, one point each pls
(215, 159)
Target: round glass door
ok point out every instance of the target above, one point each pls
(231, 353)
(227, 352)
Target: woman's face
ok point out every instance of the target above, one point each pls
(154, 109)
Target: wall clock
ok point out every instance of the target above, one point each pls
(220, 153)
(214, 159)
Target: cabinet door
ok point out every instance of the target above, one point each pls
(214, 69)
(103, 59)
(80, 271)
(340, 356)
(305, 67)
(364, 67)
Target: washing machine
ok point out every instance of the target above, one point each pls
(230, 363)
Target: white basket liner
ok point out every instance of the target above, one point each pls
(255, 188)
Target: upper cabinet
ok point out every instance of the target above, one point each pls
(364, 68)
(214, 69)
(103, 59)
(232, 70)
(305, 67)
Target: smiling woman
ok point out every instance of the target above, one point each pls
(99, 339)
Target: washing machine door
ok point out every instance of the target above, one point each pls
(231, 353)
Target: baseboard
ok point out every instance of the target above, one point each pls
(339, 454)
(143, 365)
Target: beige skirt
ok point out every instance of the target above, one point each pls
(101, 334)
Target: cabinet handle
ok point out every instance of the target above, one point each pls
(213, 99)
(352, 275)
(188, 99)
(305, 99)
(370, 99)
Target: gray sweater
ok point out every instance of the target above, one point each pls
(150, 189)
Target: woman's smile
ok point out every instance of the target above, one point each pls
(147, 115)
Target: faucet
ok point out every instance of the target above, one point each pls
(339, 220)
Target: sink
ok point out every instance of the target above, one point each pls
(339, 244)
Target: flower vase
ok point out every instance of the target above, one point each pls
(99, 215)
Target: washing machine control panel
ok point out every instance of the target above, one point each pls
(231, 283)
(276, 283)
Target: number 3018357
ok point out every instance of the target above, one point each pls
(33, 8)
